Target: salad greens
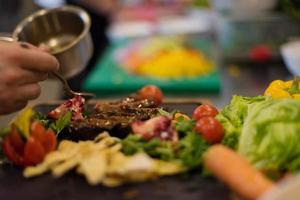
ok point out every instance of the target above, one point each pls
(23, 120)
(264, 130)
(56, 125)
(62, 122)
(188, 150)
(270, 137)
(155, 148)
(232, 117)
(191, 148)
(183, 126)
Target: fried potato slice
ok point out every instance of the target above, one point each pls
(94, 167)
(101, 161)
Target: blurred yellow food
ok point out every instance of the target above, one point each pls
(101, 161)
(279, 89)
(178, 115)
(176, 64)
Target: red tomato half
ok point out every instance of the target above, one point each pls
(205, 111)
(151, 92)
(46, 137)
(16, 141)
(210, 129)
(37, 131)
(34, 152)
(50, 141)
(11, 154)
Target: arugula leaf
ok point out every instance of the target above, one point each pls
(188, 150)
(191, 149)
(56, 125)
(132, 144)
(183, 125)
(43, 119)
(160, 149)
(62, 122)
(155, 147)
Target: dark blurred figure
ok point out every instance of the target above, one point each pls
(100, 20)
(291, 7)
(7, 19)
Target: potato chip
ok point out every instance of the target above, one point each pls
(101, 161)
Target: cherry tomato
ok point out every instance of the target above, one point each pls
(260, 53)
(204, 111)
(34, 152)
(210, 129)
(151, 92)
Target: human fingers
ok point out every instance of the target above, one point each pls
(12, 107)
(14, 75)
(31, 77)
(20, 93)
(33, 58)
(28, 92)
(44, 48)
(16, 97)
(27, 45)
(41, 47)
(9, 100)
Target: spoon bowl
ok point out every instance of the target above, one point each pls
(69, 92)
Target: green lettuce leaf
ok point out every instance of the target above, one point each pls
(232, 117)
(270, 137)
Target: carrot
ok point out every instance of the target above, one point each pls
(237, 172)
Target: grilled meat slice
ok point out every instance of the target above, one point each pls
(115, 117)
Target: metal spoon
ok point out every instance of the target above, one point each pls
(69, 92)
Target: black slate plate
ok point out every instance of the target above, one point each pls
(74, 187)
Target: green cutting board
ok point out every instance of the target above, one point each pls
(109, 79)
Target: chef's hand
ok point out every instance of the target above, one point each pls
(22, 67)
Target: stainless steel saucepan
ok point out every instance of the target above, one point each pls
(63, 31)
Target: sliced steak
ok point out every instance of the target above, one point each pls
(114, 117)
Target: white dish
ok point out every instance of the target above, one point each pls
(291, 56)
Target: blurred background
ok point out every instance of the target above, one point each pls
(208, 49)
